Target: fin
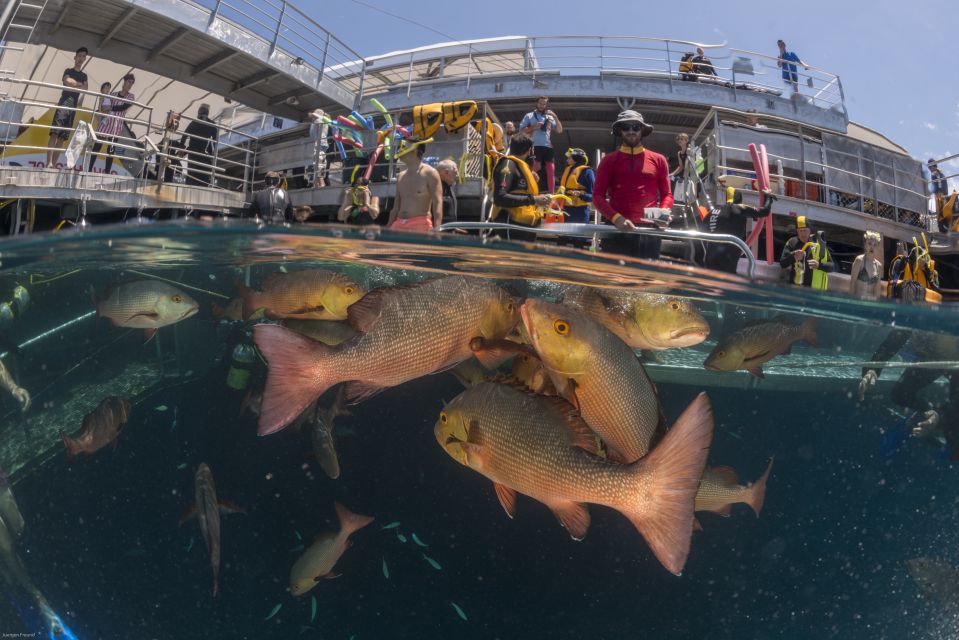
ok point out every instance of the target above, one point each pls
(216, 586)
(331, 576)
(476, 455)
(363, 314)
(757, 491)
(189, 513)
(71, 445)
(357, 391)
(580, 434)
(574, 516)
(148, 335)
(507, 498)
(349, 521)
(666, 482)
(809, 333)
(757, 371)
(226, 507)
(297, 375)
(725, 475)
(493, 353)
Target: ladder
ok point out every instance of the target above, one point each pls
(18, 22)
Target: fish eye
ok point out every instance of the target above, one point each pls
(674, 305)
(348, 290)
(443, 417)
(509, 306)
(561, 327)
(720, 353)
(177, 299)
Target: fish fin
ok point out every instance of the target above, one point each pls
(338, 408)
(507, 498)
(216, 586)
(567, 389)
(666, 481)
(580, 433)
(757, 490)
(226, 507)
(297, 375)
(574, 516)
(72, 447)
(331, 576)
(726, 475)
(696, 525)
(493, 353)
(148, 334)
(476, 455)
(757, 371)
(809, 333)
(187, 514)
(357, 391)
(363, 314)
(349, 521)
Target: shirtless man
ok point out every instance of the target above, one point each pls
(418, 193)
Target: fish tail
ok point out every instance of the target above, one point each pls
(299, 373)
(809, 334)
(757, 491)
(349, 521)
(216, 586)
(73, 448)
(666, 482)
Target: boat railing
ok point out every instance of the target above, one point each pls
(144, 147)
(853, 179)
(284, 27)
(601, 230)
(536, 57)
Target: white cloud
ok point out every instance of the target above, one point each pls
(930, 126)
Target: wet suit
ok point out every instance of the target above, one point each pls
(731, 219)
(510, 191)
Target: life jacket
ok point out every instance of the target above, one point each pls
(948, 215)
(427, 119)
(457, 115)
(528, 215)
(570, 182)
(820, 279)
(494, 137)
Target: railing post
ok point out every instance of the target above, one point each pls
(359, 90)
(862, 197)
(326, 50)
(669, 66)
(802, 164)
(279, 25)
(214, 14)
(469, 67)
(409, 80)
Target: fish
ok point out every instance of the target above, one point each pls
(720, 489)
(207, 509)
(419, 542)
(318, 560)
(401, 537)
(328, 332)
(321, 434)
(937, 579)
(643, 320)
(147, 305)
(433, 563)
(386, 570)
(599, 374)
(391, 525)
(6, 313)
(404, 333)
(748, 348)
(470, 372)
(275, 610)
(22, 297)
(312, 609)
(529, 369)
(459, 611)
(233, 311)
(100, 427)
(539, 446)
(309, 294)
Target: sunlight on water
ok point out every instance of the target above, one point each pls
(852, 497)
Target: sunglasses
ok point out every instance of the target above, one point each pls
(630, 127)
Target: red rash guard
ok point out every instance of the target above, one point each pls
(633, 182)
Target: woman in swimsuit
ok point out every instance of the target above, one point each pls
(865, 280)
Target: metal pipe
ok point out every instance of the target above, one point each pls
(589, 230)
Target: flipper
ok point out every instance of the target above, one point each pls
(507, 498)
(574, 517)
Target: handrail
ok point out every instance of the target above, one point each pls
(588, 230)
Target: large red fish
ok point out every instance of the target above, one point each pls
(404, 333)
(100, 427)
(310, 294)
(147, 305)
(539, 446)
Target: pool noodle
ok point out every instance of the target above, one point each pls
(761, 166)
(373, 158)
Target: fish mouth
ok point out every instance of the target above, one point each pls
(710, 367)
(451, 440)
(696, 332)
(527, 320)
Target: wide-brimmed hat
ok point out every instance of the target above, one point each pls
(632, 116)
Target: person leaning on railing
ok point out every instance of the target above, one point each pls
(628, 181)
(110, 126)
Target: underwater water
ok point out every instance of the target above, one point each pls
(846, 506)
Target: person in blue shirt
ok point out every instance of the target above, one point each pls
(539, 125)
(787, 62)
(577, 183)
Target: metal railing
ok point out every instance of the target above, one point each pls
(538, 56)
(815, 178)
(144, 148)
(286, 28)
(590, 230)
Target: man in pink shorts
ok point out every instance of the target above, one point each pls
(419, 195)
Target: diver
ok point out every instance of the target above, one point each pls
(731, 219)
(9, 311)
(272, 204)
(916, 266)
(806, 261)
(359, 205)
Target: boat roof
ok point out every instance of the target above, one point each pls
(873, 137)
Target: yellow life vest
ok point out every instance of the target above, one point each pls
(949, 211)
(820, 279)
(427, 119)
(570, 182)
(527, 215)
(457, 115)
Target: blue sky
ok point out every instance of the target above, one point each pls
(894, 58)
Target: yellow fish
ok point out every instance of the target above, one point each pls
(318, 561)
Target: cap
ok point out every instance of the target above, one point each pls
(576, 152)
(632, 116)
(801, 223)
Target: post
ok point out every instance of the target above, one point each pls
(669, 66)
(326, 50)
(862, 197)
(469, 66)
(279, 25)
(359, 91)
(802, 164)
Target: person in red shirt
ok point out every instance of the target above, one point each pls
(628, 181)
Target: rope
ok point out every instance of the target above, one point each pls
(34, 278)
(180, 284)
